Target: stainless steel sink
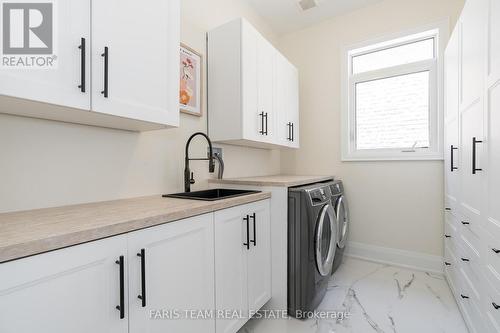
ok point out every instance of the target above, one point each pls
(210, 195)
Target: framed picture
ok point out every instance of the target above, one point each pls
(191, 69)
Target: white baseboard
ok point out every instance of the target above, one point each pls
(396, 257)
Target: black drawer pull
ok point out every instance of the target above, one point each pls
(465, 223)
(464, 297)
(247, 220)
(474, 153)
(448, 209)
(453, 167)
(447, 263)
(121, 307)
(293, 132)
(465, 259)
(83, 51)
(495, 305)
(142, 296)
(497, 251)
(106, 70)
(266, 133)
(447, 236)
(262, 126)
(254, 241)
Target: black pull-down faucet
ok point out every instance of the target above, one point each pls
(188, 176)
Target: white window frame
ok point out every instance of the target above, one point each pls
(435, 67)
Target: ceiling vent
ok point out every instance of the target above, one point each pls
(307, 4)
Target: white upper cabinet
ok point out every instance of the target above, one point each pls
(117, 67)
(135, 49)
(253, 90)
(58, 85)
(287, 102)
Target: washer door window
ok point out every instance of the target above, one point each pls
(342, 221)
(326, 240)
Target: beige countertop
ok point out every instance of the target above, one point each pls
(275, 180)
(36, 231)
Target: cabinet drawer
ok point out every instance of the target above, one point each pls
(492, 261)
(471, 308)
(490, 305)
(451, 268)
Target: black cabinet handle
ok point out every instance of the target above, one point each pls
(266, 115)
(293, 132)
(121, 307)
(497, 251)
(106, 70)
(142, 296)
(447, 209)
(464, 297)
(465, 223)
(495, 305)
(465, 259)
(447, 236)
(247, 220)
(453, 167)
(254, 241)
(262, 131)
(289, 127)
(83, 51)
(447, 263)
(474, 153)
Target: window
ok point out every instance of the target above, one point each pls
(392, 102)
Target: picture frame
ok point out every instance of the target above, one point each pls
(191, 81)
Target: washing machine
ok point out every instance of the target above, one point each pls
(339, 202)
(312, 244)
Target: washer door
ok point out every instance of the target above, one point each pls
(342, 212)
(326, 240)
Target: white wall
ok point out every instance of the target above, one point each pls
(45, 163)
(393, 204)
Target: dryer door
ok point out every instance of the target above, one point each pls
(342, 212)
(326, 240)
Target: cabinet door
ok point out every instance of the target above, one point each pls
(493, 42)
(293, 105)
(472, 155)
(252, 118)
(473, 31)
(259, 256)
(281, 102)
(178, 273)
(58, 85)
(142, 72)
(231, 267)
(452, 163)
(266, 57)
(72, 290)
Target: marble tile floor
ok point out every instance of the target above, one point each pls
(381, 299)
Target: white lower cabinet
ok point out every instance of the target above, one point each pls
(72, 290)
(171, 269)
(156, 280)
(242, 263)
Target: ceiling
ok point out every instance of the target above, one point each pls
(286, 16)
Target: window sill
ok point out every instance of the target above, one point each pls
(417, 157)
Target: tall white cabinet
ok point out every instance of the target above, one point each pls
(117, 67)
(472, 166)
(253, 95)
